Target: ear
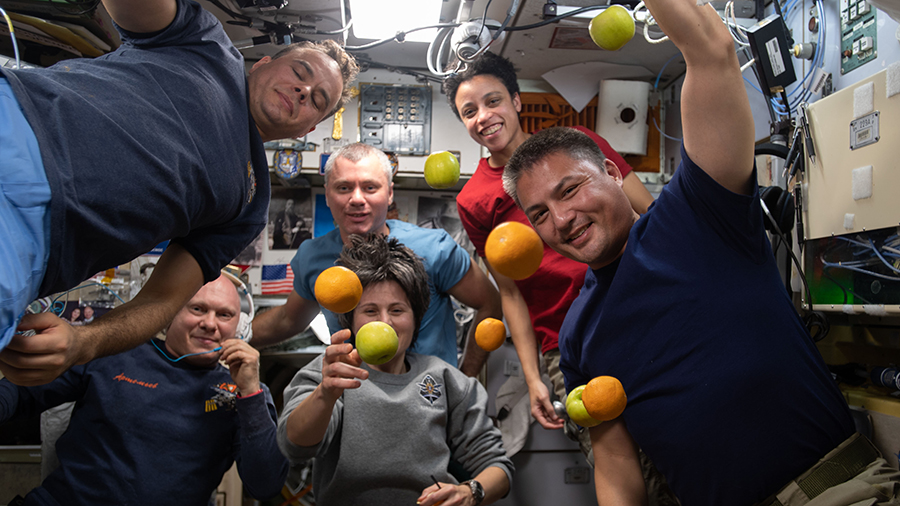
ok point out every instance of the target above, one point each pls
(613, 171)
(517, 102)
(391, 194)
(262, 61)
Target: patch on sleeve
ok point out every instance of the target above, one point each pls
(224, 395)
(430, 389)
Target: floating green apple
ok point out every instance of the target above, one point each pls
(441, 170)
(612, 28)
(576, 410)
(376, 343)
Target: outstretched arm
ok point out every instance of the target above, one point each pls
(715, 112)
(476, 291)
(307, 424)
(142, 16)
(57, 346)
(285, 321)
(515, 310)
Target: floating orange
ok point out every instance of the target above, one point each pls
(490, 334)
(604, 398)
(514, 250)
(338, 289)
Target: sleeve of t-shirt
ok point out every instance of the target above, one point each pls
(608, 150)
(474, 229)
(451, 262)
(215, 247)
(736, 218)
(192, 24)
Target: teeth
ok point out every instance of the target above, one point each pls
(579, 234)
(491, 130)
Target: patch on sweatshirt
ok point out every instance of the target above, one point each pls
(430, 389)
(223, 397)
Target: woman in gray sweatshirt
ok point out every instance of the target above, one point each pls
(385, 434)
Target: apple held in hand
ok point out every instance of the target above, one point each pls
(376, 343)
(612, 28)
(576, 410)
(441, 170)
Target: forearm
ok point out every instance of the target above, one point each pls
(495, 483)
(617, 470)
(307, 424)
(271, 327)
(261, 465)
(284, 321)
(475, 290)
(474, 357)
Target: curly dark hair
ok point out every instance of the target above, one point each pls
(488, 64)
(376, 258)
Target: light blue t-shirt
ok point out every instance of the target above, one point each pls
(445, 262)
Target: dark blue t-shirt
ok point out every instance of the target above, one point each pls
(727, 393)
(151, 142)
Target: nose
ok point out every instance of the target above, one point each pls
(562, 217)
(302, 91)
(357, 197)
(208, 321)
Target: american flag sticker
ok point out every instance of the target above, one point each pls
(277, 279)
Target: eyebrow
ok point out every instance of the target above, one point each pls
(556, 189)
(312, 75)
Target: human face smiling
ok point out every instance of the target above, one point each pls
(358, 195)
(491, 116)
(578, 209)
(211, 317)
(387, 302)
(290, 95)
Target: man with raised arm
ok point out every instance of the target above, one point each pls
(727, 393)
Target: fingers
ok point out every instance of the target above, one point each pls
(340, 336)
(236, 350)
(433, 495)
(41, 358)
(548, 420)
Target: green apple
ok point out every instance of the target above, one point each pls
(576, 410)
(612, 28)
(376, 343)
(441, 170)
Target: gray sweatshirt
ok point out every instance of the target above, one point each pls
(387, 438)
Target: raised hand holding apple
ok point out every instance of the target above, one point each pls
(341, 366)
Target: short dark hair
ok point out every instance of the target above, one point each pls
(488, 64)
(330, 48)
(569, 141)
(376, 258)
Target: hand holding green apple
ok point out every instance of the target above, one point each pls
(376, 343)
(341, 366)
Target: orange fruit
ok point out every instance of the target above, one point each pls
(490, 334)
(604, 398)
(338, 289)
(514, 250)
